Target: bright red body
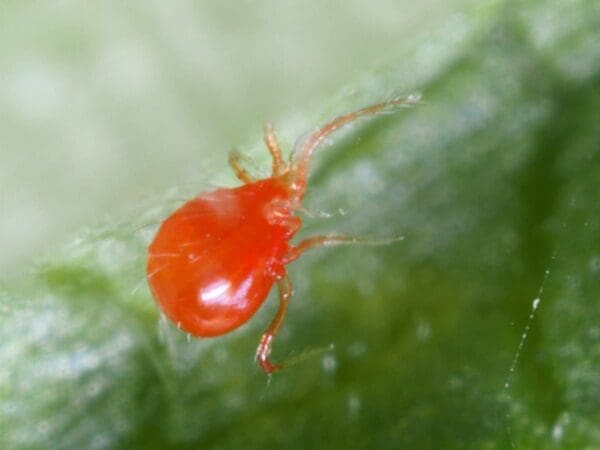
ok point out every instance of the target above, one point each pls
(215, 259)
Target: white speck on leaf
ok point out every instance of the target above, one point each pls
(557, 432)
(353, 404)
(329, 363)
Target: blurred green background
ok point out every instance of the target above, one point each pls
(104, 103)
(479, 330)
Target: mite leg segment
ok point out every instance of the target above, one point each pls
(313, 141)
(319, 241)
(235, 161)
(322, 241)
(266, 342)
(279, 165)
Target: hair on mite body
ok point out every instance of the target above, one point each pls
(214, 260)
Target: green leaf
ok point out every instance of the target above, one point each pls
(479, 330)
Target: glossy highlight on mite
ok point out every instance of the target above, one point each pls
(214, 260)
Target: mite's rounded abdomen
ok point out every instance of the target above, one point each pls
(214, 261)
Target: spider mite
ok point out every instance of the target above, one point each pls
(215, 259)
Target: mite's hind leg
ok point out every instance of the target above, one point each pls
(323, 241)
(266, 342)
(279, 165)
(235, 161)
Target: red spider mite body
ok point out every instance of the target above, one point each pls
(215, 259)
(230, 253)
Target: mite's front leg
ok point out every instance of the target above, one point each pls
(279, 165)
(235, 161)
